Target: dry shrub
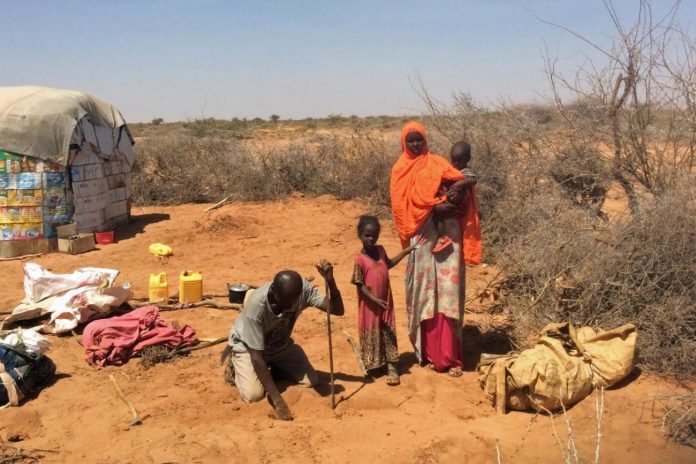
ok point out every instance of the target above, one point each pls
(679, 421)
(583, 174)
(174, 170)
(573, 266)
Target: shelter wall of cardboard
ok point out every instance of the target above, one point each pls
(89, 184)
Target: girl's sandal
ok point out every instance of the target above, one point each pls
(430, 366)
(455, 372)
(393, 380)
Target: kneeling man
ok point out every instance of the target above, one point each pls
(261, 336)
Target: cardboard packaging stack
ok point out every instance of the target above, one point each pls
(101, 189)
(32, 197)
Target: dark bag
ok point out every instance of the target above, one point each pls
(22, 373)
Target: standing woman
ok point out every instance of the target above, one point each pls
(434, 281)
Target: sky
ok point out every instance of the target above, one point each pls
(186, 59)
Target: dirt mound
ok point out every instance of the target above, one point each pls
(191, 415)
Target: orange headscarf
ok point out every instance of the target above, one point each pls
(414, 185)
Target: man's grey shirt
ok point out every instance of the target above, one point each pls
(258, 328)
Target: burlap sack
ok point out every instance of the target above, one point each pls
(610, 352)
(562, 368)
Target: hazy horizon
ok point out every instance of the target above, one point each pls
(181, 60)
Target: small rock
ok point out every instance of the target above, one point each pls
(16, 438)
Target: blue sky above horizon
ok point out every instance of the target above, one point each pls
(184, 59)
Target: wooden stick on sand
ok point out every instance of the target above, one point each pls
(219, 204)
(136, 418)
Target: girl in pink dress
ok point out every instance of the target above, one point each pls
(376, 309)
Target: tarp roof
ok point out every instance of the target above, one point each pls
(39, 121)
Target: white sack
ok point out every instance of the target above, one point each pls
(40, 284)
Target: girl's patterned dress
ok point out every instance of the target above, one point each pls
(375, 325)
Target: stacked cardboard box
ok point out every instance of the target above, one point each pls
(99, 191)
(89, 190)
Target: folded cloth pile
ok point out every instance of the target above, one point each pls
(114, 341)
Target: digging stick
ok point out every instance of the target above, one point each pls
(328, 328)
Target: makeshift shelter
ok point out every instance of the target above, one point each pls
(64, 156)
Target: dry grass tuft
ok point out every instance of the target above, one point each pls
(156, 354)
(11, 455)
(679, 421)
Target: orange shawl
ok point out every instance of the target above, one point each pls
(415, 181)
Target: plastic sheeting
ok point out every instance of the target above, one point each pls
(70, 299)
(32, 341)
(40, 121)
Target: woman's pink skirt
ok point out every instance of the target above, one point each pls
(440, 344)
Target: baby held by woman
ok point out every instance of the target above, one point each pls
(460, 156)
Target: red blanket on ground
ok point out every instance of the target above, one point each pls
(115, 340)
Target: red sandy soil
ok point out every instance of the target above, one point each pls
(192, 416)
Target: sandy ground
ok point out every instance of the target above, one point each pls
(193, 416)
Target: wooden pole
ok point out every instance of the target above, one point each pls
(328, 328)
(500, 386)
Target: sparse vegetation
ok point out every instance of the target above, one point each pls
(179, 169)
(544, 176)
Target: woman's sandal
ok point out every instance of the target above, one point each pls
(455, 372)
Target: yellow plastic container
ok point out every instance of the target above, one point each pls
(158, 289)
(160, 249)
(190, 287)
